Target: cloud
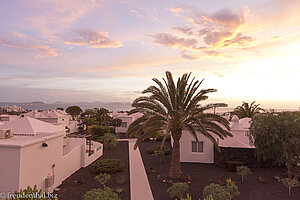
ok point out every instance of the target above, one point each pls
(93, 39)
(24, 43)
(145, 13)
(169, 40)
(176, 10)
(240, 40)
(186, 30)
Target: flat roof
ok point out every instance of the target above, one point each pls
(21, 141)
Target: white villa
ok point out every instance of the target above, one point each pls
(34, 152)
(203, 150)
(55, 117)
(126, 120)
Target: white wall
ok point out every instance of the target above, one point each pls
(30, 165)
(186, 154)
(128, 120)
(36, 162)
(9, 169)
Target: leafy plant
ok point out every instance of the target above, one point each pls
(209, 197)
(159, 154)
(276, 137)
(108, 166)
(29, 194)
(217, 191)
(108, 140)
(231, 188)
(101, 194)
(178, 190)
(103, 178)
(98, 131)
(188, 197)
(243, 171)
(290, 183)
(166, 149)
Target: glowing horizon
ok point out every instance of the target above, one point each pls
(98, 50)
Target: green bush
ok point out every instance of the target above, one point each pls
(103, 178)
(159, 154)
(243, 171)
(166, 149)
(231, 188)
(31, 193)
(217, 192)
(108, 166)
(160, 138)
(290, 183)
(101, 194)
(188, 197)
(178, 190)
(108, 140)
(98, 131)
(209, 197)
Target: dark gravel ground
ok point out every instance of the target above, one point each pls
(74, 187)
(204, 174)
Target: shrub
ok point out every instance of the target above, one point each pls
(98, 131)
(108, 140)
(231, 188)
(178, 190)
(188, 197)
(31, 193)
(161, 136)
(108, 166)
(166, 149)
(209, 197)
(103, 178)
(101, 194)
(159, 154)
(217, 192)
(290, 183)
(243, 171)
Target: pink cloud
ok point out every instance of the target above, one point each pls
(23, 43)
(93, 39)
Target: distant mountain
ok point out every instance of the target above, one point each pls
(38, 105)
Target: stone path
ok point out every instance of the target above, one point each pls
(139, 185)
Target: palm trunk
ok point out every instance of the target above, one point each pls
(163, 141)
(289, 170)
(175, 168)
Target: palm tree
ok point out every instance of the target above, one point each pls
(175, 108)
(247, 111)
(101, 115)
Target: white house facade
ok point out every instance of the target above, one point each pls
(39, 153)
(202, 151)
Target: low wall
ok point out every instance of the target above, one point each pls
(98, 152)
(245, 155)
(71, 162)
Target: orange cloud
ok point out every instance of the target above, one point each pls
(93, 39)
(23, 43)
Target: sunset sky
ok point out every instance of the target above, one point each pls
(109, 50)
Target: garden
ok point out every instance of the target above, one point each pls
(107, 177)
(261, 184)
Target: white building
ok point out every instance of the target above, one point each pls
(39, 154)
(203, 150)
(13, 108)
(126, 120)
(55, 117)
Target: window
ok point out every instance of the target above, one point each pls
(124, 124)
(197, 146)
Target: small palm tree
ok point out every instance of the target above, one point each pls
(174, 108)
(247, 111)
(101, 115)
